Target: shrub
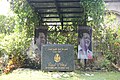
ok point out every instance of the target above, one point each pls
(15, 45)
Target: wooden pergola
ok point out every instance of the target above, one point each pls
(60, 13)
(57, 13)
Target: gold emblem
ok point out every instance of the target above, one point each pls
(57, 58)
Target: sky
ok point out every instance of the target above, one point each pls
(4, 7)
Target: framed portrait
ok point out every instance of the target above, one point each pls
(40, 37)
(85, 42)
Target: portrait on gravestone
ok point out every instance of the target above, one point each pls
(85, 43)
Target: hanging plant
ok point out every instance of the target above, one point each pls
(93, 11)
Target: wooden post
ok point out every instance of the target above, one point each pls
(85, 64)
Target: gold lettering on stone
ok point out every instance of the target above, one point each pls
(57, 49)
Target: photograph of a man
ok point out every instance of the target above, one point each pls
(85, 47)
(39, 41)
(34, 51)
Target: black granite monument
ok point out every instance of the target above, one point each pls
(57, 57)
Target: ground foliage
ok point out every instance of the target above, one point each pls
(29, 74)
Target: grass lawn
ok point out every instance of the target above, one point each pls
(28, 74)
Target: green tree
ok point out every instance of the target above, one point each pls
(108, 40)
(18, 31)
(6, 24)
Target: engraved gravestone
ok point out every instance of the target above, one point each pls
(57, 57)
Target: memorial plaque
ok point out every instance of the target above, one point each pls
(57, 57)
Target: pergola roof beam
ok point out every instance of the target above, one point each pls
(64, 17)
(63, 1)
(57, 12)
(59, 21)
(68, 7)
(60, 12)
